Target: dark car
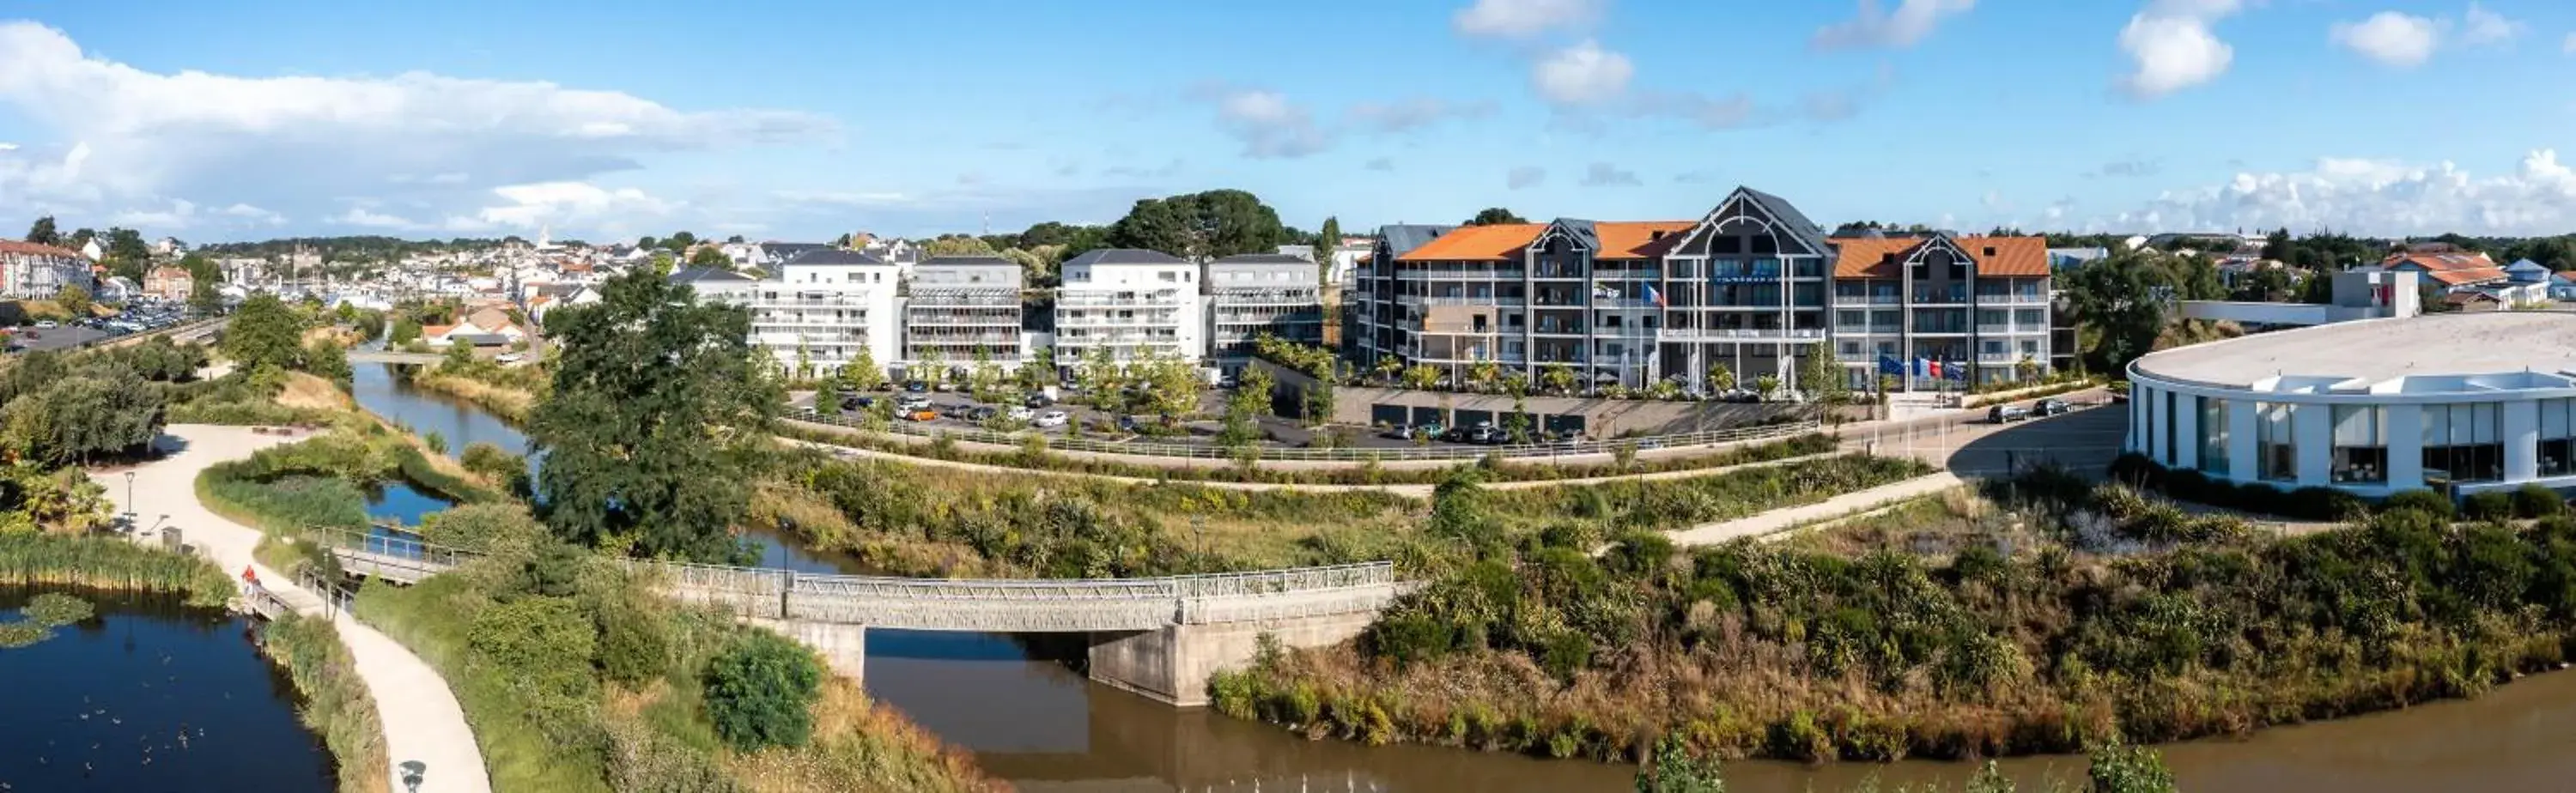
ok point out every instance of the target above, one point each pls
(2004, 414)
(982, 413)
(1036, 401)
(857, 403)
(916, 386)
(2051, 407)
(1489, 435)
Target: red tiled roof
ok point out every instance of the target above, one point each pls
(1494, 243)
(1998, 256)
(2438, 262)
(33, 249)
(2475, 276)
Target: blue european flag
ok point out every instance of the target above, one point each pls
(1887, 364)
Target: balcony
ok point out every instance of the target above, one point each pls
(961, 298)
(1076, 299)
(1993, 330)
(1742, 334)
(1928, 297)
(1469, 300)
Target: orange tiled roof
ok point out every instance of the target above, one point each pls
(1498, 242)
(1867, 257)
(2438, 262)
(1636, 239)
(434, 331)
(2469, 276)
(33, 249)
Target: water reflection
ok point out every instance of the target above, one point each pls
(151, 696)
(401, 503)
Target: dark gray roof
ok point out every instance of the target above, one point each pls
(1264, 258)
(705, 274)
(970, 261)
(1402, 239)
(782, 250)
(831, 255)
(1123, 256)
(1582, 231)
(1799, 226)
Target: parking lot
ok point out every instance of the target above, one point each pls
(952, 410)
(143, 318)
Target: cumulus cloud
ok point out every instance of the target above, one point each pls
(299, 144)
(2391, 38)
(1265, 122)
(1582, 74)
(2379, 197)
(1524, 176)
(2172, 46)
(1878, 27)
(1702, 110)
(2482, 27)
(571, 204)
(1524, 18)
(1602, 174)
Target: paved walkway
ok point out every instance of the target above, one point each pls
(1780, 520)
(421, 718)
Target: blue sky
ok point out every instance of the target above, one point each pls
(805, 120)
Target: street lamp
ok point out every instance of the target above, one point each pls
(130, 511)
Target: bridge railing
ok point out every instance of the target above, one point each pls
(381, 541)
(1063, 443)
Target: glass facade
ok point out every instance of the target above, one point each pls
(2463, 443)
(2276, 446)
(2213, 435)
(2360, 444)
(2557, 437)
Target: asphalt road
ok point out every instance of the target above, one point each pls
(56, 338)
(2084, 441)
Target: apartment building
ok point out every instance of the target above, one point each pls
(1751, 287)
(31, 270)
(1252, 294)
(963, 306)
(1132, 302)
(817, 311)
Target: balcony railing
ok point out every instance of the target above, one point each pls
(1749, 334)
(1090, 299)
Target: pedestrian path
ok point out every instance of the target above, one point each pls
(1781, 520)
(422, 721)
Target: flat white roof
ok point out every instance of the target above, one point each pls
(2437, 353)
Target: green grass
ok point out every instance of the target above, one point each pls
(110, 564)
(432, 619)
(336, 705)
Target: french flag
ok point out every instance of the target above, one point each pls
(1652, 296)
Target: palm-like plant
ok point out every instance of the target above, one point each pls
(1483, 374)
(1387, 368)
(1557, 378)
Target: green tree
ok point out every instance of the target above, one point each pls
(760, 692)
(1491, 216)
(957, 245)
(1766, 386)
(862, 372)
(43, 233)
(1676, 771)
(2117, 768)
(1821, 377)
(326, 359)
(1098, 375)
(650, 374)
(1327, 242)
(405, 330)
(2124, 300)
(1557, 377)
(265, 332)
(73, 299)
(1387, 369)
(1421, 377)
(1171, 385)
(933, 366)
(710, 256)
(1156, 224)
(91, 412)
(1211, 224)
(458, 359)
(205, 298)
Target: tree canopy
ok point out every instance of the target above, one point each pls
(1494, 215)
(658, 413)
(265, 332)
(710, 257)
(43, 233)
(1212, 224)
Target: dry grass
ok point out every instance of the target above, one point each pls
(860, 745)
(347, 338)
(307, 391)
(511, 403)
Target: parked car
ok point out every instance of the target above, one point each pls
(1227, 381)
(509, 357)
(916, 386)
(47, 324)
(1020, 413)
(1427, 431)
(982, 413)
(1038, 401)
(2051, 406)
(2003, 414)
(922, 414)
(1052, 418)
(1130, 424)
(911, 403)
(857, 403)
(1490, 435)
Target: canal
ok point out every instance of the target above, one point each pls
(1022, 705)
(151, 695)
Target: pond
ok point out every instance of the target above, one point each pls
(400, 502)
(151, 695)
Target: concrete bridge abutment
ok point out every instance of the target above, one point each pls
(844, 646)
(1172, 664)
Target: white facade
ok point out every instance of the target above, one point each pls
(818, 311)
(1256, 294)
(1133, 303)
(962, 306)
(2469, 401)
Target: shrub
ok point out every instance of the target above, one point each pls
(2538, 501)
(2137, 469)
(543, 647)
(760, 692)
(634, 643)
(2322, 503)
(1676, 771)
(2128, 769)
(1412, 637)
(2488, 505)
(2421, 500)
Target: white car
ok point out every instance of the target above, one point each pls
(45, 325)
(509, 357)
(1052, 418)
(1020, 413)
(912, 403)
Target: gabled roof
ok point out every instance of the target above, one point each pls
(35, 249)
(1583, 232)
(2440, 261)
(1639, 239)
(1788, 215)
(827, 255)
(696, 275)
(2478, 275)
(970, 261)
(1878, 257)
(1124, 256)
(1403, 238)
(1493, 243)
(1265, 258)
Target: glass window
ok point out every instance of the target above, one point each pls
(2276, 447)
(2213, 435)
(2167, 425)
(2360, 444)
(2557, 437)
(2462, 443)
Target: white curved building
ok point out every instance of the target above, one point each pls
(2470, 401)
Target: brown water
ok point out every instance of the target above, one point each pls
(1023, 707)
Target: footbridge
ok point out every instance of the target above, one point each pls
(1158, 637)
(395, 356)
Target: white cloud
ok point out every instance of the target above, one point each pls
(1524, 176)
(1602, 174)
(2173, 48)
(368, 218)
(1877, 27)
(2391, 38)
(2568, 46)
(1583, 74)
(252, 213)
(179, 214)
(1415, 113)
(569, 204)
(303, 144)
(8, 147)
(2487, 27)
(2378, 198)
(1524, 18)
(1268, 125)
